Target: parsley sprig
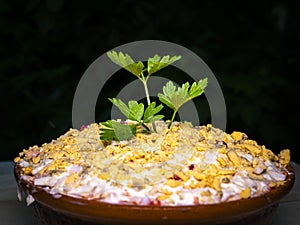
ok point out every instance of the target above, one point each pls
(138, 69)
(172, 96)
(135, 111)
(175, 98)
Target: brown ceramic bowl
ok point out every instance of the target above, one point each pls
(72, 211)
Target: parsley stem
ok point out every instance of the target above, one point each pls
(174, 113)
(147, 92)
(148, 99)
(144, 81)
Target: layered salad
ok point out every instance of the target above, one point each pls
(181, 165)
(145, 160)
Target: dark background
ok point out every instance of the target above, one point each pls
(252, 47)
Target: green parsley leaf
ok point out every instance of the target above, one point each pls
(151, 110)
(198, 88)
(156, 63)
(137, 68)
(134, 110)
(126, 62)
(113, 130)
(121, 106)
(174, 99)
(168, 97)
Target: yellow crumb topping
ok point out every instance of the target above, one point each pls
(180, 157)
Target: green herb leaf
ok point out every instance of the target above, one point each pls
(174, 99)
(168, 97)
(198, 88)
(137, 68)
(121, 106)
(126, 62)
(156, 63)
(134, 110)
(113, 130)
(151, 110)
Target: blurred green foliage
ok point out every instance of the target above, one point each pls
(47, 45)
